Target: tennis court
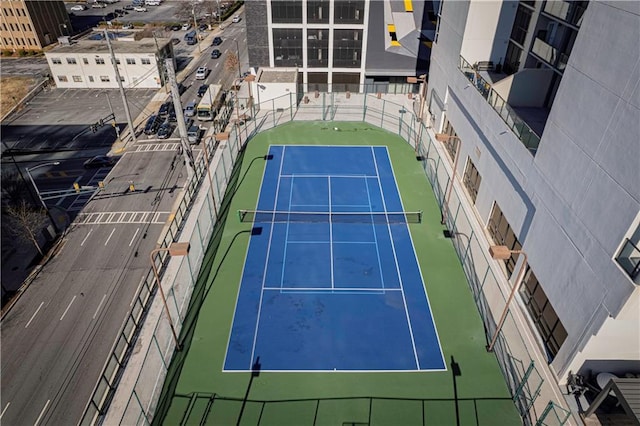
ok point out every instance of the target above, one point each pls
(337, 278)
(331, 269)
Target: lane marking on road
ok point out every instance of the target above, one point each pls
(42, 412)
(85, 238)
(107, 242)
(65, 311)
(101, 302)
(34, 314)
(134, 236)
(5, 409)
(137, 292)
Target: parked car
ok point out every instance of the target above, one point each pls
(215, 54)
(78, 7)
(185, 27)
(201, 73)
(193, 134)
(203, 27)
(98, 6)
(175, 40)
(128, 7)
(203, 89)
(151, 127)
(120, 12)
(127, 27)
(99, 161)
(216, 41)
(175, 27)
(165, 130)
(140, 9)
(236, 19)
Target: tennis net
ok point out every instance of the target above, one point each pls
(267, 216)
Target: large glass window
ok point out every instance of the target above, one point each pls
(348, 12)
(347, 48)
(343, 81)
(544, 316)
(318, 81)
(318, 11)
(521, 24)
(512, 59)
(287, 11)
(287, 49)
(317, 48)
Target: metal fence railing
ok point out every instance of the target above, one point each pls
(521, 373)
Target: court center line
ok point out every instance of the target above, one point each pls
(107, 242)
(5, 409)
(395, 258)
(85, 238)
(286, 235)
(42, 413)
(98, 308)
(34, 314)
(70, 303)
(330, 232)
(266, 261)
(134, 236)
(375, 234)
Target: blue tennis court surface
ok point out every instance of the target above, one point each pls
(340, 294)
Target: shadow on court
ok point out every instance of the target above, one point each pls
(204, 284)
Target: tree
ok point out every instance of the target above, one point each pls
(26, 222)
(232, 63)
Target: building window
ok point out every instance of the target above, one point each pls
(145, 61)
(71, 61)
(29, 27)
(131, 61)
(348, 12)
(11, 26)
(4, 26)
(62, 78)
(471, 179)
(288, 50)
(117, 61)
(344, 81)
(543, 315)
(317, 11)
(77, 79)
(10, 12)
(30, 43)
(56, 61)
(512, 58)
(99, 61)
(104, 78)
(502, 234)
(347, 48)
(90, 79)
(629, 255)
(317, 48)
(450, 144)
(85, 61)
(122, 79)
(286, 12)
(521, 24)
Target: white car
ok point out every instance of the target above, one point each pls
(78, 8)
(98, 6)
(201, 73)
(236, 19)
(140, 9)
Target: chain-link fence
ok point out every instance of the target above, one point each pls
(530, 393)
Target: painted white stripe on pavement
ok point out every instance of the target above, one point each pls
(42, 412)
(66, 310)
(107, 242)
(34, 314)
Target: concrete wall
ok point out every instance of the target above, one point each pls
(526, 88)
(487, 30)
(573, 203)
(265, 93)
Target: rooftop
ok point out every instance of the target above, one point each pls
(127, 45)
(278, 76)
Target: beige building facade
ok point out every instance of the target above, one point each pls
(31, 25)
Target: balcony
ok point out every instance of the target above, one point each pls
(529, 138)
(549, 54)
(571, 12)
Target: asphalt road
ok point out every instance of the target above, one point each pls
(57, 337)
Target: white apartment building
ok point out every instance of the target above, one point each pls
(542, 103)
(87, 63)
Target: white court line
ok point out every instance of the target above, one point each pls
(66, 310)
(375, 233)
(5, 409)
(85, 238)
(107, 242)
(134, 236)
(329, 289)
(42, 412)
(34, 314)
(286, 235)
(330, 233)
(98, 308)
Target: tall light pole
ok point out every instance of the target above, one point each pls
(195, 25)
(175, 249)
(238, 53)
(504, 253)
(443, 137)
(46, 209)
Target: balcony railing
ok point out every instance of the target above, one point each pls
(550, 54)
(517, 125)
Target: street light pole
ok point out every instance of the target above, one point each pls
(195, 25)
(175, 249)
(46, 209)
(504, 253)
(238, 53)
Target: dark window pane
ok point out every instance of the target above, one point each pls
(318, 11)
(347, 48)
(286, 11)
(288, 47)
(318, 47)
(521, 24)
(349, 12)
